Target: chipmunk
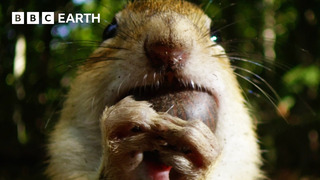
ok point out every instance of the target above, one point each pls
(156, 100)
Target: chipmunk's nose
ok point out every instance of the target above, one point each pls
(166, 55)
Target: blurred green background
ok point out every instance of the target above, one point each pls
(277, 40)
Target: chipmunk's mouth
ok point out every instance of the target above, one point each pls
(187, 101)
(155, 168)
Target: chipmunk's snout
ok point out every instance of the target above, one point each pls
(169, 41)
(166, 55)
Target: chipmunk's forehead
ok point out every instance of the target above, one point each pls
(145, 9)
(157, 6)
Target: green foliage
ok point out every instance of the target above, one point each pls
(301, 77)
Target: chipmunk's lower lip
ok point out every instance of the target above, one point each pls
(154, 167)
(187, 103)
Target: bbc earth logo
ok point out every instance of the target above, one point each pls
(49, 18)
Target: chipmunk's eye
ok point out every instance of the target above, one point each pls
(111, 30)
(215, 36)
